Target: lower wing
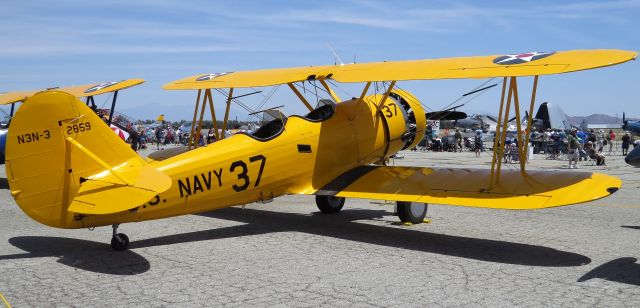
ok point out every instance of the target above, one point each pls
(471, 187)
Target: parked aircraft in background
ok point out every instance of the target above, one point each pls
(633, 157)
(551, 116)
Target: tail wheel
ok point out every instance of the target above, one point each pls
(120, 242)
(329, 204)
(413, 212)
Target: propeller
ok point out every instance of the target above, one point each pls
(445, 115)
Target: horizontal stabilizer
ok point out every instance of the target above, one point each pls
(108, 194)
(470, 187)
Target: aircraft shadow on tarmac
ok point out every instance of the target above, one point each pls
(81, 254)
(98, 257)
(342, 226)
(623, 270)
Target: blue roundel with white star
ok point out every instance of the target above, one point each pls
(522, 57)
(101, 86)
(211, 76)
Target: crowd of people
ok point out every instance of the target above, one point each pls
(159, 136)
(573, 145)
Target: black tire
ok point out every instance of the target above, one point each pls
(412, 212)
(329, 204)
(120, 242)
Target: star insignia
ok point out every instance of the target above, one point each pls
(521, 57)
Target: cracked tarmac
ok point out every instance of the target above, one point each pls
(285, 253)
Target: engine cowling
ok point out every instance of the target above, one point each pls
(397, 125)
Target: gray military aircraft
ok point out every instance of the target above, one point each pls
(633, 158)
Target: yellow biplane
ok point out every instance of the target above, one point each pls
(66, 169)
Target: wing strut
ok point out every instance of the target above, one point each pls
(193, 123)
(530, 118)
(333, 94)
(297, 93)
(226, 114)
(386, 95)
(113, 107)
(502, 125)
(194, 136)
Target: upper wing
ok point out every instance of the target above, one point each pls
(17, 96)
(101, 88)
(470, 187)
(78, 91)
(526, 64)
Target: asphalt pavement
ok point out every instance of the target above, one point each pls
(286, 254)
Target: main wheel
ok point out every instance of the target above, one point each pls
(329, 204)
(413, 212)
(120, 242)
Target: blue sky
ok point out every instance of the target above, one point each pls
(59, 43)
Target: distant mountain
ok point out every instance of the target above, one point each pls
(595, 119)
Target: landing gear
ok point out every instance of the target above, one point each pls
(119, 241)
(329, 204)
(412, 212)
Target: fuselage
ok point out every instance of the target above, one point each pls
(300, 159)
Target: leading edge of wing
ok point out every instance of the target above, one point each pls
(427, 69)
(470, 187)
(77, 91)
(101, 88)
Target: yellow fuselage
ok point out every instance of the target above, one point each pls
(303, 158)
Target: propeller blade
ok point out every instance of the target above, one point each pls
(446, 115)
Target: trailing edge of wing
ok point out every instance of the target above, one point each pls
(470, 187)
(445, 68)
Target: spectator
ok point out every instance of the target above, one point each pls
(458, 138)
(158, 134)
(626, 139)
(611, 138)
(478, 143)
(592, 136)
(211, 136)
(133, 137)
(582, 138)
(601, 141)
(593, 154)
(573, 145)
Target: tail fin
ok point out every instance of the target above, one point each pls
(63, 160)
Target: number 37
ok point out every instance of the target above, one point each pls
(242, 176)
